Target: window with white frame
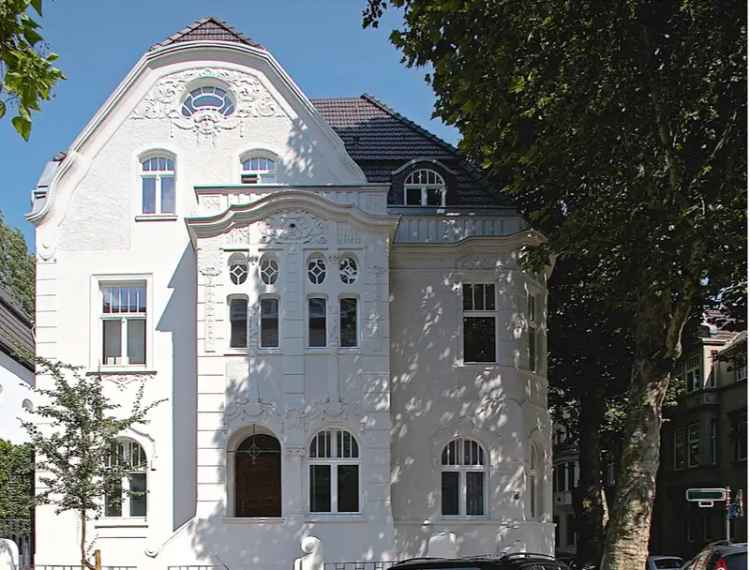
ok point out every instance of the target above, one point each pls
(316, 322)
(237, 322)
(258, 170)
(268, 269)
(208, 98)
(739, 437)
(123, 324)
(333, 463)
(680, 448)
(269, 322)
(127, 497)
(424, 187)
(694, 444)
(713, 376)
(238, 268)
(158, 185)
(479, 322)
(316, 270)
(694, 373)
(534, 481)
(462, 478)
(348, 322)
(348, 270)
(740, 368)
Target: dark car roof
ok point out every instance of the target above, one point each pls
(517, 560)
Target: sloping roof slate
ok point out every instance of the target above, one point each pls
(381, 140)
(16, 331)
(207, 29)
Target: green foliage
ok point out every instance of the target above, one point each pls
(27, 73)
(16, 480)
(73, 434)
(17, 267)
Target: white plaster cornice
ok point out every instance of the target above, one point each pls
(146, 62)
(244, 214)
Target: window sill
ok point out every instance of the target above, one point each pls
(235, 351)
(113, 522)
(253, 520)
(335, 518)
(465, 519)
(121, 370)
(156, 218)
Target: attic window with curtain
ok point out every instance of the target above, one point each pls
(424, 187)
(208, 99)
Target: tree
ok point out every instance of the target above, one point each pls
(17, 267)
(27, 73)
(75, 436)
(16, 480)
(619, 127)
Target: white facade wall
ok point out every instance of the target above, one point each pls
(403, 392)
(15, 397)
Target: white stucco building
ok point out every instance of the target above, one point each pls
(16, 368)
(328, 298)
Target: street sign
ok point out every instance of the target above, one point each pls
(706, 495)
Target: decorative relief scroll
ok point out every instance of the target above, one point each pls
(345, 234)
(477, 262)
(292, 226)
(210, 269)
(122, 381)
(251, 100)
(238, 236)
(243, 412)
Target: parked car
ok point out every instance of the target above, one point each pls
(657, 562)
(720, 556)
(515, 561)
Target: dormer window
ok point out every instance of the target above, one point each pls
(258, 170)
(208, 99)
(424, 187)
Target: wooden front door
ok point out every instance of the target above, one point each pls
(257, 477)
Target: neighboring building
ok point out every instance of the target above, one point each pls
(329, 299)
(565, 475)
(704, 442)
(16, 367)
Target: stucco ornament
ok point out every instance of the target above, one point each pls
(242, 412)
(122, 381)
(313, 557)
(210, 269)
(251, 101)
(292, 226)
(477, 262)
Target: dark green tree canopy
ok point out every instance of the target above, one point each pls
(17, 267)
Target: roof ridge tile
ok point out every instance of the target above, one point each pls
(184, 35)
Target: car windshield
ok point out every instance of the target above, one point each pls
(668, 563)
(737, 561)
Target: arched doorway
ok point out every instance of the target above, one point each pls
(257, 477)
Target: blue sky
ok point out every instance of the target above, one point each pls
(321, 44)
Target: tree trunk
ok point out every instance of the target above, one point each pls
(588, 496)
(626, 545)
(85, 564)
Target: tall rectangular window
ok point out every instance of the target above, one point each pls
(348, 324)
(316, 319)
(694, 373)
(694, 444)
(123, 319)
(740, 368)
(739, 437)
(714, 439)
(680, 454)
(157, 185)
(269, 323)
(479, 322)
(320, 488)
(449, 492)
(238, 323)
(532, 315)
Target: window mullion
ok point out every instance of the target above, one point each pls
(157, 198)
(334, 488)
(462, 492)
(124, 341)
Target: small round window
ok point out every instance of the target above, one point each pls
(316, 270)
(348, 270)
(208, 99)
(269, 270)
(238, 269)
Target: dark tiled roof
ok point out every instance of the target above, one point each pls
(381, 140)
(16, 331)
(207, 29)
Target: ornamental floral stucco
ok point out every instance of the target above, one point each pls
(252, 102)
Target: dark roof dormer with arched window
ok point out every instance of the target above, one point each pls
(389, 148)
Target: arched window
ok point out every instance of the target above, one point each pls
(127, 497)
(424, 187)
(157, 185)
(534, 482)
(334, 472)
(238, 268)
(208, 98)
(462, 466)
(258, 169)
(257, 477)
(268, 269)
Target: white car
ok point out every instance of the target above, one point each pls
(664, 562)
